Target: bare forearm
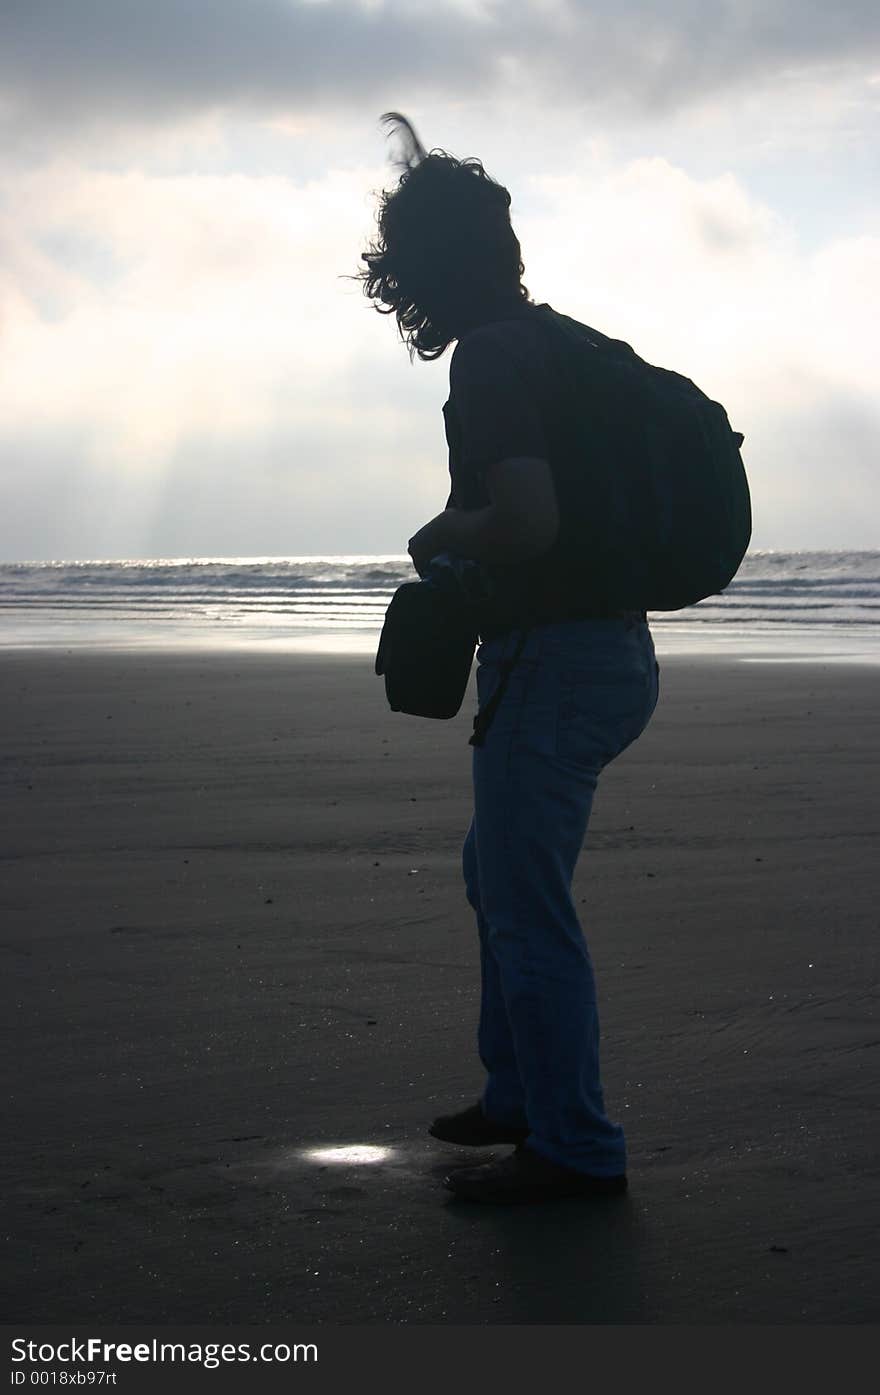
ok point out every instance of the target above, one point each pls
(520, 523)
(484, 534)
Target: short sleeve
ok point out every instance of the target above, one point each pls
(495, 403)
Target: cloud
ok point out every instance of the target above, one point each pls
(181, 367)
(200, 346)
(702, 278)
(97, 64)
(180, 357)
(215, 299)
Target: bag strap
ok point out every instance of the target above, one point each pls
(483, 719)
(577, 335)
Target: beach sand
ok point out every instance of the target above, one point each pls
(234, 930)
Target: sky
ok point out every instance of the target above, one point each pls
(185, 186)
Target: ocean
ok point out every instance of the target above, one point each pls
(781, 605)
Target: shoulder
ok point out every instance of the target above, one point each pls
(506, 349)
(473, 351)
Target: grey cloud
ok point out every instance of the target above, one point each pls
(68, 64)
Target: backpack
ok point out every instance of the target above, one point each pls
(653, 500)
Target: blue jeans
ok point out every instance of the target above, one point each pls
(581, 692)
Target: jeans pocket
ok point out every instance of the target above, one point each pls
(598, 720)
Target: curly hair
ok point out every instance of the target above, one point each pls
(446, 252)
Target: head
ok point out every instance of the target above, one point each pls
(446, 257)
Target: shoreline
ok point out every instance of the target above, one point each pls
(773, 649)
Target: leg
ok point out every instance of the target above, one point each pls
(564, 716)
(503, 1099)
(539, 955)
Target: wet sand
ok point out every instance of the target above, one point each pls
(234, 930)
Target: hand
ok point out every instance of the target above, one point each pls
(428, 541)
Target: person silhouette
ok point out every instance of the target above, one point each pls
(578, 680)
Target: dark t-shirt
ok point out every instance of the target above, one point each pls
(502, 399)
(506, 400)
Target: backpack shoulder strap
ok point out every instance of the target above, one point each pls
(578, 335)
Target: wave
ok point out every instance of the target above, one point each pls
(772, 591)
